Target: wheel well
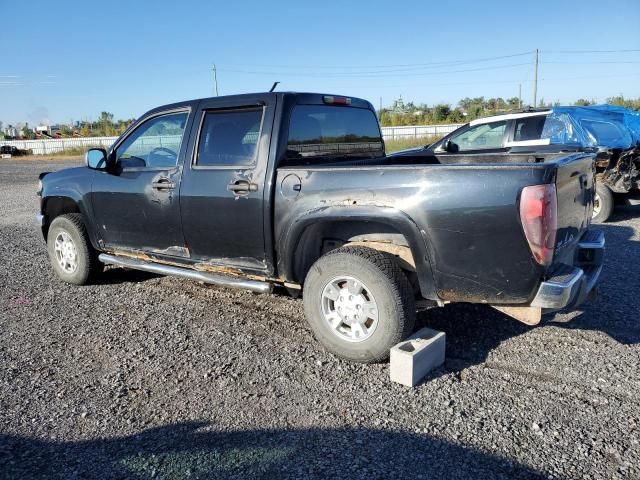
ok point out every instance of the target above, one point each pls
(56, 206)
(320, 238)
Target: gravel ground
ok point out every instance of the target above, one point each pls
(150, 377)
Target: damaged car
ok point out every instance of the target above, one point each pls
(612, 133)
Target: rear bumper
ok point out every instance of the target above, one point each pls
(571, 286)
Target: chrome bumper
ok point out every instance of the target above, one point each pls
(40, 220)
(572, 285)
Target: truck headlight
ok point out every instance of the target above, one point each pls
(39, 190)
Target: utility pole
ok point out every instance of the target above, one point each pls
(215, 80)
(380, 110)
(520, 96)
(535, 82)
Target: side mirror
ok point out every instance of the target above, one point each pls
(444, 147)
(96, 158)
(450, 147)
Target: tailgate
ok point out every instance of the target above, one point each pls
(575, 187)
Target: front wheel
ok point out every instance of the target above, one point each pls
(72, 257)
(603, 203)
(358, 303)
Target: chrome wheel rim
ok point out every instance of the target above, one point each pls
(596, 205)
(349, 309)
(66, 252)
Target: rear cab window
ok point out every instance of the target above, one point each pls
(330, 133)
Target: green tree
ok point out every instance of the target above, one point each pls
(633, 103)
(85, 129)
(105, 122)
(27, 132)
(441, 112)
(513, 103)
(455, 116)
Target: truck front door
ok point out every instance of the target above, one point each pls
(222, 195)
(136, 202)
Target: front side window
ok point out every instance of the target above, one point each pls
(154, 144)
(229, 138)
(479, 137)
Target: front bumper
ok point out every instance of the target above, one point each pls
(40, 220)
(571, 286)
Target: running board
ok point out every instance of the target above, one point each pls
(225, 281)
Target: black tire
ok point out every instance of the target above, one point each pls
(381, 278)
(605, 201)
(87, 265)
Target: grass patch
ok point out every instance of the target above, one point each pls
(73, 151)
(400, 144)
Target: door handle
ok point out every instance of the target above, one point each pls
(163, 184)
(242, 186)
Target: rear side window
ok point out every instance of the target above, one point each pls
(529, 128)
(229, 138)
(333, 132)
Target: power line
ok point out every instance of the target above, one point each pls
(428, 64)
(593, 51)
(490, 82)
(592, 63)
(355, 67)
(373, 73)
(588, 77)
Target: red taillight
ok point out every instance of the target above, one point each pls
(331, 100)
(539, 217)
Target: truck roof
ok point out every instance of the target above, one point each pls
(301, 97)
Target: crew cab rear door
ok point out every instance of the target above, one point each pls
(223, 189)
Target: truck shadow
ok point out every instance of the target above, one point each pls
(117, 275)
(473, 331)
(191, 450)
(622, 213)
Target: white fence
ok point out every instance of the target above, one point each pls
(55, 145)
(49, 146)
(418, 131)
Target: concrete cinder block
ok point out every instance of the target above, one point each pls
(416, 356)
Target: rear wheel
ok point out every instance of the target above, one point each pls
(603, 204)
(72, 257)
(358, 303)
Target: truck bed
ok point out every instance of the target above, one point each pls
(466, 215)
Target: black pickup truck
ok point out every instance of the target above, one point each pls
(294, 190)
